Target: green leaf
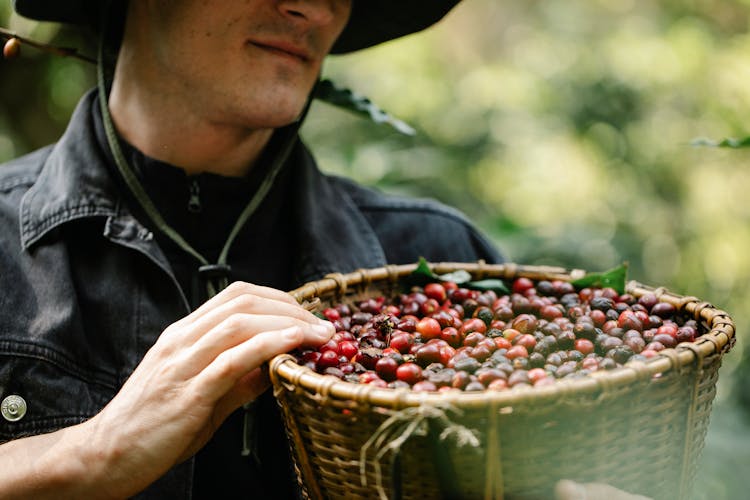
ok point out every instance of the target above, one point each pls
(423, 269)
(458, 277)
(423, 275)
(614, 278)
(487, 285)
(329, 92)
(729, 142)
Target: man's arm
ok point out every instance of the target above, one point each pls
(201, 369)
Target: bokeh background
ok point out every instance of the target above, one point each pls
(563, 128)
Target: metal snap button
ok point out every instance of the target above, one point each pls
(13, 408)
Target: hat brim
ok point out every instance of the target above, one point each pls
(372, 21)
(376, 21)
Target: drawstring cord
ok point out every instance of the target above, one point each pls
(216, 275)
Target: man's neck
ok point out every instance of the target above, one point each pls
(167, 129)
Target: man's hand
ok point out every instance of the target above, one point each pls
(201, 369)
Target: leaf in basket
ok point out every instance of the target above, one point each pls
(614, 278)
(459, 277)
(423, 275)
(487, 285)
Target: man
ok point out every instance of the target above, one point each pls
(123, 363)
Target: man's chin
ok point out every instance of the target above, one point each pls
(280, 117)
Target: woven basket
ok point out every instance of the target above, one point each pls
(640, 428)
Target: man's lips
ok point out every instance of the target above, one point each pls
(284, 49)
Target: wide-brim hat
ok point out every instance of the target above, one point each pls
(372, 21)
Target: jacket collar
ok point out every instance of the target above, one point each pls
(72, 183)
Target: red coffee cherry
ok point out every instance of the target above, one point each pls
(429, 328)
(386, 368)
(442, 337)
(435, 291)
(410, 373)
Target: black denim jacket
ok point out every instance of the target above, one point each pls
(86, 290)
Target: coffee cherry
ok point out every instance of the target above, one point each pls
(498, 385)
(536, 374)
(603, 304)
(545, 288)
(620, 354)
(450, 335)
(629, 321)
(472, 325)
(525, 323)
(666, 340)
(591, 364)
(429, 328)
(488, 375)
(409, 372)
(502, 343)
(468, 365)
(522, 285)
(584, 346)
(480, 353)
(518, 377)
(402, 342)
(331, 314)
(12, 48)
(442, 337)
(686, 334)
(424, 386)
(348, 348)
(386, 368)
(527, 341)
(327, 359)
(473, 338)
(517, 351)
(485, 314)
(636, 344)
(428, 354)
(667, 329)
(663, 309)
(435, 291)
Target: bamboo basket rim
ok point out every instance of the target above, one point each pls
(716, 341)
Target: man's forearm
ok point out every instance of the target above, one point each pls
(56, 465)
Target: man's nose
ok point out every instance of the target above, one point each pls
(319, 12)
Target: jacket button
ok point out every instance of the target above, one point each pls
(13, 408)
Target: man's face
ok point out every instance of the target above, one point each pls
(242, 62)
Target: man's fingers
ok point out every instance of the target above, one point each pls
(240, 328)
(245, 304)
(235, 290)
(230, 366)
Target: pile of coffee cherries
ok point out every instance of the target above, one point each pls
(444, 337)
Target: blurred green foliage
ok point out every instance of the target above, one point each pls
(562, 127)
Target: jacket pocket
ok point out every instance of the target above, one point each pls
(44, 391)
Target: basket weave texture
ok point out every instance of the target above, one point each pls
(640, 428)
